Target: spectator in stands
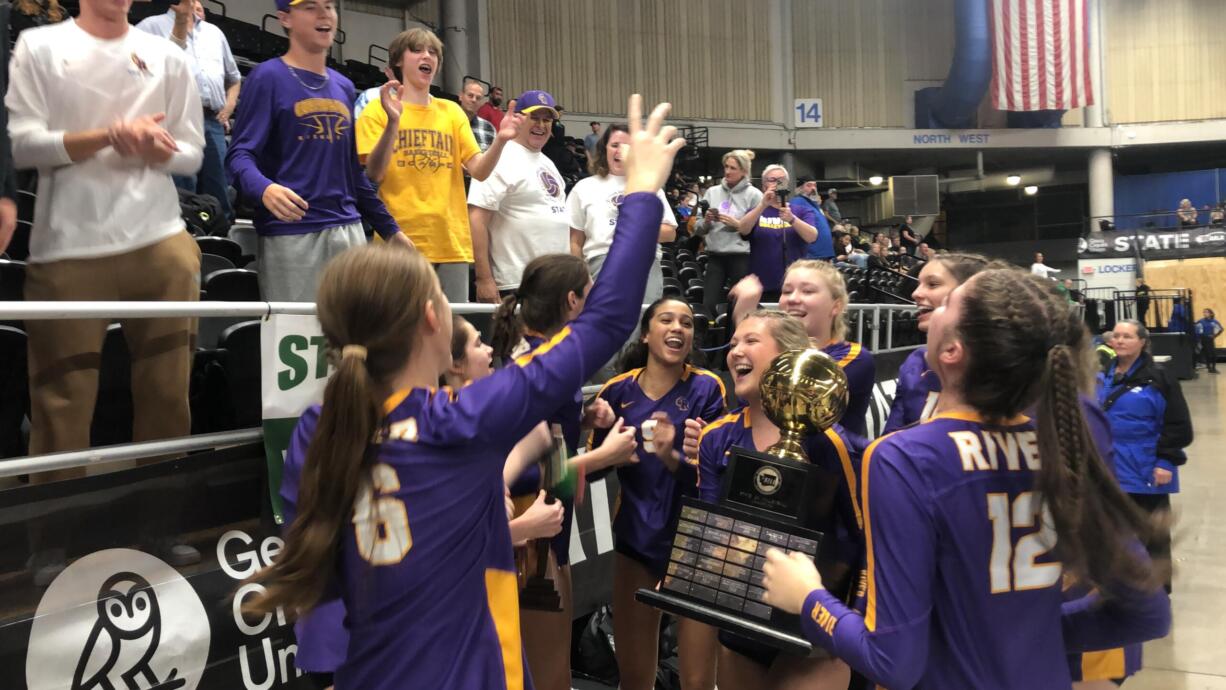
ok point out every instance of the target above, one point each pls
(1041, 269)
(293, 157)
(1142, 294)
(807, 196)
(106, 114)
(417, 149)
(1074, 295)
(1150, 427)
(860, 241)
(28, 14)
(591, 140)
(877, 258)
(593, 204)
(519, 213)
(832, 206)
(557, 151)
(1207, 331)
(728, 202)
(1178, 323)
(778, 233)
(492, 110)
(883, 239)
(217, 78)
(907, 239)
(848, 255)
(8, 175)
(1187, 213)
(1105, 350)
(1217, 216)
(471, 98)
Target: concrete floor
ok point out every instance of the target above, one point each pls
(1193, 656)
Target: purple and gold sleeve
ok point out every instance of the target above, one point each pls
(509, 403)
(250, 134)
(708, 406)
(889, 643)
(1094, 622)
(861, 374)
(710, 465)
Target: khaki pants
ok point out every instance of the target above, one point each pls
(65, 355)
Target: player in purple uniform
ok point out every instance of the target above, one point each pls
(659, 390)
(400, 509)
(915, 396)
(972, 517)
(760, 337)
(551, 293)
(815, 293)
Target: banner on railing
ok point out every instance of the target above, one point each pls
(1186, 243)
(292, 378)
(120, 613)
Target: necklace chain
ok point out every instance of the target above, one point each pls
(298, 79)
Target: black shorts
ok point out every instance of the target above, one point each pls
(656, 567)
(761, 654)
(321, 681)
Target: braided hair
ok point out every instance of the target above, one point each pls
(1013, 324)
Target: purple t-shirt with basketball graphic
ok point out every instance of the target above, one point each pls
(295, 128)
(527, 197)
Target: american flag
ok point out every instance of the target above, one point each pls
(1040, 54)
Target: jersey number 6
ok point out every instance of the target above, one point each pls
(380, 521)
(1013, 566)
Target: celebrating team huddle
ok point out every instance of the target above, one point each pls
(951, 538)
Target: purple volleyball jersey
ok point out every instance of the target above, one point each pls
(428, 583)
(650, 498)
(970, 596)
(915, 397)
(857, 363)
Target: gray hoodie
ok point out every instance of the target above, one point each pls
(736, 202)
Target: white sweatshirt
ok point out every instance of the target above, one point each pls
(64, 80)
(1042, 270)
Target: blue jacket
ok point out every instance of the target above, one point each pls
(1150, 424)
(823, 246)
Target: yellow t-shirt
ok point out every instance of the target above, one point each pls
(424, 185)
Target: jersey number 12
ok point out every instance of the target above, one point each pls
(1013, 567)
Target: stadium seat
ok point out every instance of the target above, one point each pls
(12, 280)
(221, 246)
(687, 273)
(239, 359)
(232, 285)
(112, 422)
(209, 263)
(693, 293)
(14, 391)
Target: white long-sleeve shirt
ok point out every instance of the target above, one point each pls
(1042, 270)
(64, 80)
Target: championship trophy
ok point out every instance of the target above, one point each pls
(538, 592)
(776, 499)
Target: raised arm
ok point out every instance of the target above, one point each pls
(480, 164)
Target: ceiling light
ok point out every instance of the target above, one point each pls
(876, 180)
(1031, 190)
(1014, 180)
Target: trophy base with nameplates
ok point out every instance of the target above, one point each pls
(767, 500)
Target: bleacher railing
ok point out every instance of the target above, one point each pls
(871, 324)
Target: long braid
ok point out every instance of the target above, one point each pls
(1027, 325)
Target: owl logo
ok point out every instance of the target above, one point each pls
(118, 619)
(552, 186)
(616, 199)
(129, 628)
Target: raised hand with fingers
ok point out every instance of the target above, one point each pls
(598, 415)
(391, 97)
(511, 123)
(653, 146)
(790, 577)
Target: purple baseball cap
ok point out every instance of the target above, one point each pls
(284, 5)
(532, 101)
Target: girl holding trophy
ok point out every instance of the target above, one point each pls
(972, 519)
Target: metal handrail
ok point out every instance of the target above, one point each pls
(127, 451)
